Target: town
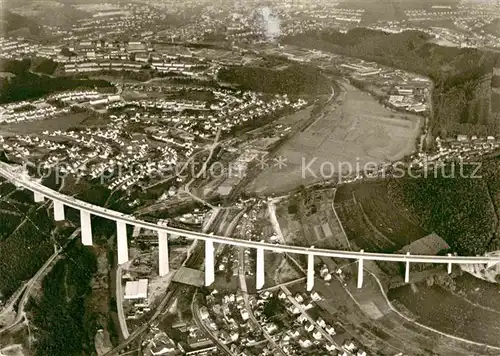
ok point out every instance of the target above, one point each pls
(280, 125)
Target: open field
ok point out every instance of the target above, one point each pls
(355, 130)
(397, 330)
(63, 122)
(478, 291)
(286, 271)
(372, 221)
(453, 314)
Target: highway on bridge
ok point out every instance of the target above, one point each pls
(7, 171)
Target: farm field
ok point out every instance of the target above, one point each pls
(355, 130)
(453, 314)
(478, 291)
(307, 219)
(63, 122)
(400, 332)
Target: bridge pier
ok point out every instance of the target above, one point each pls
(407, 270)
(58, 211)
(122, 243)
(469, 263)
(86, 228)
(310, 271)
(360, 271)
(260, 268)
(209, 263)
(163, 262)
(39, 198)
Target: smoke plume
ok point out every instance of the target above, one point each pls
(270, 23)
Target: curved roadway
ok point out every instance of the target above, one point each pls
(6, 170)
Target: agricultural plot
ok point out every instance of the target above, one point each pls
(279, 269)
(478, 291)
(314, 223)
(355, 131)
(453, 314)
(62, 122)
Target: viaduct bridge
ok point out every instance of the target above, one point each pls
(122, 220)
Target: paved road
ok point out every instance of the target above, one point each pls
(119, 303)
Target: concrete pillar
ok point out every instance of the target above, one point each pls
(360, 271)
(260, 268)
(407, 270)
(86, 228)
(58, 211)
(310, 271)
(163, 253)
(121, 237)
(39, 198)
(209, 263)
(449, 265)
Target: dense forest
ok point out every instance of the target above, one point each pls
(12, 23)
(26, 241)
(495, 81)
(27, 85)
(462, 77)
(462, 210)
(295, 79)
(64, 327)
(44, 66)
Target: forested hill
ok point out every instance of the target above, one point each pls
(13, 24)
(27, 85)
(462, 76)
(295, 79)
